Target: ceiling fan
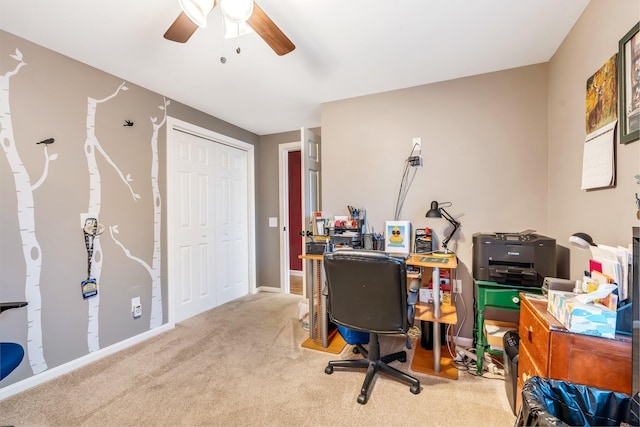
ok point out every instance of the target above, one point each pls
(239, 12)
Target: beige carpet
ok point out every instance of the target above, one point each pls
(242, 364)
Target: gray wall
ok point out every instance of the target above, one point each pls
(504, 147)
(49, 97)
(267, 205)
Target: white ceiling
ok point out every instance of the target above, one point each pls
(344, 48)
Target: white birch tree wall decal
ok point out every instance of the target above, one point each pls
(154, 269)
(26, 221)
(91, 146)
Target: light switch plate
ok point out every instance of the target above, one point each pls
(273, 221)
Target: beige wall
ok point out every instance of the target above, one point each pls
(607, 215)
(484, 146)
(505, 148)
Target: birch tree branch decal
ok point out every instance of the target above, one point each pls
(90, 147)
(47, 158)
(154, 269)
(114, 230)
(26, 221)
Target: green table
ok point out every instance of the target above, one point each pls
(494, 295)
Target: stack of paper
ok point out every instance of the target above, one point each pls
(611, 265)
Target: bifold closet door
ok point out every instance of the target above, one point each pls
(210, 259)
(231, 208)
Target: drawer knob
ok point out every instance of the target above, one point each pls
(515, 300)
(529, 330)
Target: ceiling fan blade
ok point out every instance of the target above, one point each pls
(269, 31)
(181, 29)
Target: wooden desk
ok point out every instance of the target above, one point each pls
(318, 319)
(435, 312)
(548, 349)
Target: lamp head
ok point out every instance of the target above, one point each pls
(438, 211)
(434, 211)
(581, 240)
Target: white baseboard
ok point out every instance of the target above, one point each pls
(268, 289)
(60, 370)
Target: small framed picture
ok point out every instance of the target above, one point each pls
(397, 237)
(629, 82)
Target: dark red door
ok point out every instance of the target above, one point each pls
(295, 210)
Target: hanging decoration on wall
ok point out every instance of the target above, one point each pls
(602, 96)
(601, 117)
(91, 229)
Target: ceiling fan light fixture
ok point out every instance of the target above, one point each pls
(197, 10)
(235, 29)
(236, 10)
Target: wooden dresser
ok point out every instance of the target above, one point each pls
(548, 349)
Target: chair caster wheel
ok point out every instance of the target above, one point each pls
(402, 359)
(362, 399)
(355, 350)
(415, 388)
(328, 370)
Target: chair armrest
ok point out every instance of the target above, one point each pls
(9, 305)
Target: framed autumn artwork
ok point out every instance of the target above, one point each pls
(602, 96)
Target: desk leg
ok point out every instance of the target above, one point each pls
(324, 320)
(435, 282)
(480, 338)
(318, 319)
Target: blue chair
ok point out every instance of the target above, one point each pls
(11, 354)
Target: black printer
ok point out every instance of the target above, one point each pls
(522, 259)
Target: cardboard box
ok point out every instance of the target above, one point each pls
(589, 319)
(425, 295)
(494, 330)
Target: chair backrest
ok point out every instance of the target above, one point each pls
(367, 290)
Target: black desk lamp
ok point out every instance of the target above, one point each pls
(439, 212)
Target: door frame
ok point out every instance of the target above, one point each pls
(180, 125)
(283, 178)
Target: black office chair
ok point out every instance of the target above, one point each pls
(367, 291)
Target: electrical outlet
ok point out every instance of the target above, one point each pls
(136, 307)
(416, 144)
(85, 216)
(457, 286)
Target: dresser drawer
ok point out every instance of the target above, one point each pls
(508, 299)
(534, 341)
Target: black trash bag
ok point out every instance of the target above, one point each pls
(550, 403)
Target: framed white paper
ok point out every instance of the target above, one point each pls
(397, 237)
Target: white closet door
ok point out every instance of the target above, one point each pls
(209, 227)
(231, 206)
(193, 226)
